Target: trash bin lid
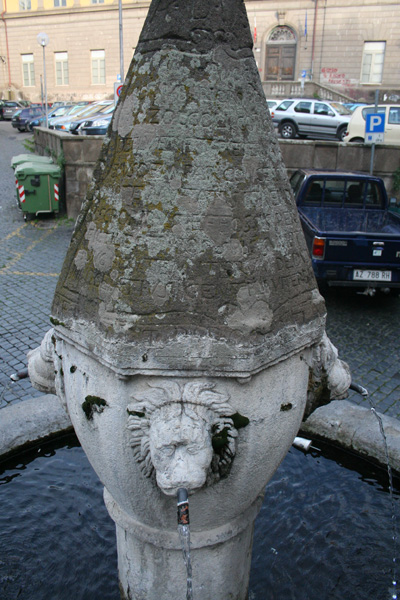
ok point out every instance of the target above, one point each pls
(37, 168)
(22, 158)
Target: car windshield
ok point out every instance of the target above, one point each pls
(59, 112)
(31, 112)
(107, 109)
(76, 110)
(340, 108)
(92, 109)
(284, 105)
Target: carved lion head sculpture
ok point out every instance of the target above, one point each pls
(184, 434)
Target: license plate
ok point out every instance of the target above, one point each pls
(367, 275)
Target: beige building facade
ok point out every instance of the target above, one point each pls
(330, 48)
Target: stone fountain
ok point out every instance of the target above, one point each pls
(186, 322)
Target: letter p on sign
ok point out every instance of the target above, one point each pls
(376, 123)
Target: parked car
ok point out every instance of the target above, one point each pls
(69, 110)
(58, 103)
(352, 237)
(310, 118)
(98, 126)
(272, 103)
(22, 117)
(353, 105)
(72, 120)
(101, 109)
(356, 127)
(40, 120)
(9, 108)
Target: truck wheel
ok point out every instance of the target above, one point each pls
(341, 133)
(357, 140)
(287, 131)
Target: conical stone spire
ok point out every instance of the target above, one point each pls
(188, 255)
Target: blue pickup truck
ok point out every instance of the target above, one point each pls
(352, 237)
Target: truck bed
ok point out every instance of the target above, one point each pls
(348, 221)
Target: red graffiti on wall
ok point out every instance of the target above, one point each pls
(334, 77)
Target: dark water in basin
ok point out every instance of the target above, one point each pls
(324, 532)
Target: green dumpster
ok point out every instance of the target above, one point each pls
(38, 188)
(23, 158)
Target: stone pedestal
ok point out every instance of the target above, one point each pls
(263, 414)
(151, 565)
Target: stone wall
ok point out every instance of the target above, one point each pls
(79, 155)
(338, 156)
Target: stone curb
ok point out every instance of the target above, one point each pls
(31, 421)
(348, 425)
(357, 429)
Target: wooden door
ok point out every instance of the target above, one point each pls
(280, 62)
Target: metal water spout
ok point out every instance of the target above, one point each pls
(187, 318)
(183, 507)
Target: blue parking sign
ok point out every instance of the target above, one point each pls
(374, 128)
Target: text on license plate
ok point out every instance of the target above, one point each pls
(367, 275)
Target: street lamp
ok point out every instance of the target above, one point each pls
(43, 40)
(121, 43)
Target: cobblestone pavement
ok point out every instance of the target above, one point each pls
(366, 332)
(31, 256)
(364, 329)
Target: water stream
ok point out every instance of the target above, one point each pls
(184, 535)
(361, 390)
(393, 587)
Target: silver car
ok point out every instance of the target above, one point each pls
(310, 118)
(9, 108)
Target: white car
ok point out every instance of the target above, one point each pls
(356, 128)
(308, 117)
(271, 103)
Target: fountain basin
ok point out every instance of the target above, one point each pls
(323, 533)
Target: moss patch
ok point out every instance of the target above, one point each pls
(239, 420)
(93, 404)
(56, 322)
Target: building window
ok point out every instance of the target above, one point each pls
(28, 70)
(25, 5)
(372, 62)
(98, 66)
(97, 1)
(59, 3)
(61, 61)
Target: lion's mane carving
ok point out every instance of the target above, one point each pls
(197, 402)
